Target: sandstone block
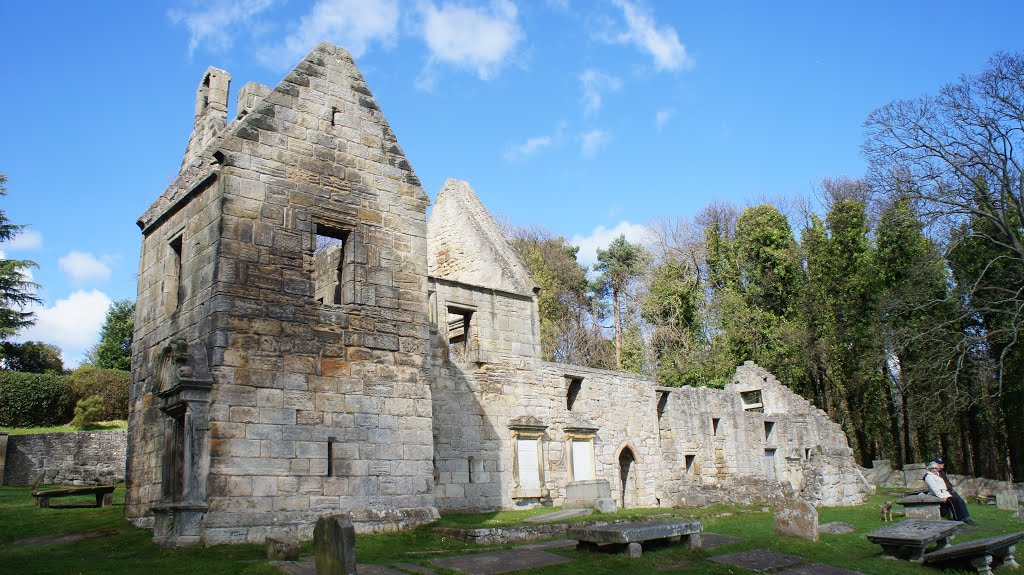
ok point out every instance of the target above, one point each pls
(334, 539)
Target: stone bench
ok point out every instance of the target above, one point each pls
(635, 534)
(104, 494)
(921, 506)
(910, 539)
(982, 554)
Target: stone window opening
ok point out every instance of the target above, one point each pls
(807, 452)
(714, 425)
(461, 344)
(174, 462)
(689, 464)
(174, 292)
(331, 266)
(575, 385)
(332, 469)
(662, 403)
(469, 466)
(752, 400)
(769, 427)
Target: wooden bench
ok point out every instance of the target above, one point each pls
(104, 494)
(634, 534)
(982, 554)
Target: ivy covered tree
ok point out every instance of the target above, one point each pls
(16, 290)
(114, 350)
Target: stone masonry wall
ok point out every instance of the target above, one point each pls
(78, 458)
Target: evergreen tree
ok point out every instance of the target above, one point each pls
(619, 266)
(16, 291)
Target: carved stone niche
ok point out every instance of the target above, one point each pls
(184, 400)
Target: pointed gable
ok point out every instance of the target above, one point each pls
(465, 245)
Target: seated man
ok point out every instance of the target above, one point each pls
(938, 486)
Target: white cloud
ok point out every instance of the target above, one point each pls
(214, 24)
(476, 39)
(83, 266)
(26, 240)
(661, 43)
(73, 323)
(353, 24)
(527, 148)
(595, 83)
(593, 141)
(663, 117)
(601, 237)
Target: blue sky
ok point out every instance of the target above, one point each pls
(588, 118)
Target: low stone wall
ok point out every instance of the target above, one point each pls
(80, 458)
(882, 475)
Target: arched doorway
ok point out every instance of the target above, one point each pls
(627, 475)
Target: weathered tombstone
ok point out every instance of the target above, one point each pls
(798, 518)
(281, 550)
(635, 550)
(1007, 500)
(913, 475)
(593, 493)
(335, 541)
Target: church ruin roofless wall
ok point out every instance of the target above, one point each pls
(302, 347)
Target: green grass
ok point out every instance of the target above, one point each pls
(99, 426)
(132, 551)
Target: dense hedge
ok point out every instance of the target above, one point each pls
(113, 384)
(35, 399)
(41, 399)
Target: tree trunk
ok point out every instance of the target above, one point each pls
(618, 329)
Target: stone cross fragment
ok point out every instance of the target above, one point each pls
(334, 539)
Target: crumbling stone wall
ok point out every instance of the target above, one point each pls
(77, 458)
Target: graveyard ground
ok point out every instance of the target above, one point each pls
(117, 547)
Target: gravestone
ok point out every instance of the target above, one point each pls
(3, 455)
(1007, 500)
(334, 539)
(798, 518)
(590, 494)
(913, 475)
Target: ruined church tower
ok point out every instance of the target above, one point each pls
(280, 364)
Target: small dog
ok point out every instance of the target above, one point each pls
(885, 512)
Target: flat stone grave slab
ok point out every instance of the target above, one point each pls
(712, 540)
(817, 569)
(909, 539)
(674, 566)
(558, 515)
(501, 561)
(837, 528)
(66, 537)
(635, 533)
(308, 567)
(758, 560)
(982, 554)
(553, 544)
(412, 568)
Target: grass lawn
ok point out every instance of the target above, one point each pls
(130, 550)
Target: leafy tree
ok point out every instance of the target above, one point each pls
(32, 357)
(114, 350)
(619, 265)
(16, 291)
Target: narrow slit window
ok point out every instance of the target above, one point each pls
(714, 425)
(689, 464)
(769, 427)
(469, 466)
(330, 257)
(331, 469)
(575, 384)
(175, 294)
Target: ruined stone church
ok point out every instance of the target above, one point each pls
(308, 342)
